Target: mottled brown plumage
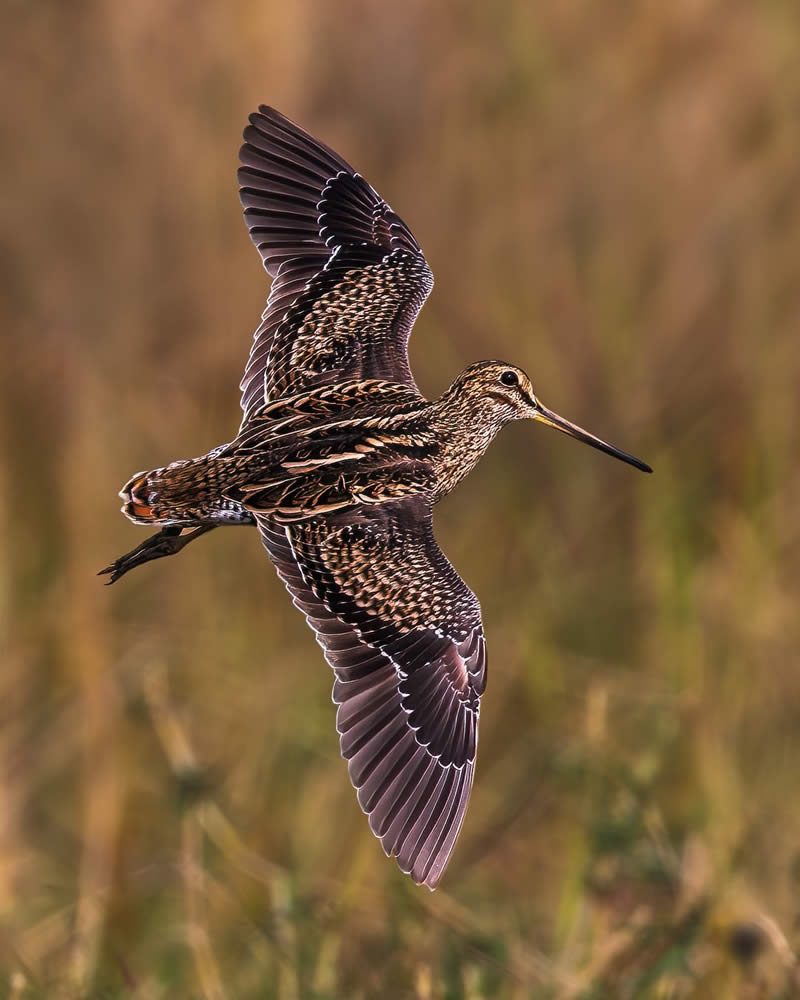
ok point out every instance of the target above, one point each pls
(338, 461)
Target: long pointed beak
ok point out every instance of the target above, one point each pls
(546, 416)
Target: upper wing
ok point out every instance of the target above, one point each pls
(403, 634)
(349, 277)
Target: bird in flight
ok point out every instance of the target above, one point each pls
(338, 462)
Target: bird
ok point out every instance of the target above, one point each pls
(338, 462)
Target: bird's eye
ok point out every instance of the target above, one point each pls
(509, 378)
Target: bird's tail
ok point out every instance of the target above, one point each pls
(179, 493)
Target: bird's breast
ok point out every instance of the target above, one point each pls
(460, 449)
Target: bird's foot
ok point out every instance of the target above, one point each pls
(166, 542)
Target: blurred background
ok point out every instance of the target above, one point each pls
(608, 196)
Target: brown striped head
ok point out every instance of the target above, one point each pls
(492, 391)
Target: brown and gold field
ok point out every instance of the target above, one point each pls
(609, 196)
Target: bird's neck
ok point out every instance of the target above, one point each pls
(464, 429)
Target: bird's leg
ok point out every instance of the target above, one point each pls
(166, 542)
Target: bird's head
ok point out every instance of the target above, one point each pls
(502, 392)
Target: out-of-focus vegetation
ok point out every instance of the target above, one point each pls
(608, 196)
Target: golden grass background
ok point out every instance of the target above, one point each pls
(608, 196)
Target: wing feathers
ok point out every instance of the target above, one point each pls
(377, 785)
(292, 278)
(420, 798)
(401, 811)
(436, 826)
(303, 204)
(407, 697)
(371, 745)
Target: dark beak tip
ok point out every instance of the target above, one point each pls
(579, 434)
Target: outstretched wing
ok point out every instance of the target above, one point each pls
(403, 634)
(349, 277)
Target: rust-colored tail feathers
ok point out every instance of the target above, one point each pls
(137, 504)
(170, 495)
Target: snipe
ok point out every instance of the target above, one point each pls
(338, 462)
